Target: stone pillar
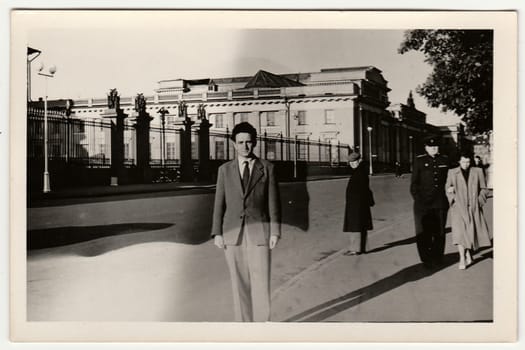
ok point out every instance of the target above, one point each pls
(204, 146)
(186, 164)
(117, 117)
(142, 127)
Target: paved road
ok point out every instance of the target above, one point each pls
(147, 258)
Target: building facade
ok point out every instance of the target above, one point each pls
(336, 105)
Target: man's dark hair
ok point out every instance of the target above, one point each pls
(466, 154)
(244, 127)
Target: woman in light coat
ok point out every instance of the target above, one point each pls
(467, 193)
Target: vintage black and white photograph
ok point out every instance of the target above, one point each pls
(181, 168)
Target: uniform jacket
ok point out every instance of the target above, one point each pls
(427, 184)
(258, 208)
(358, 197)
(466, 216)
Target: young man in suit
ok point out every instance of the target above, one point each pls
(247, 224)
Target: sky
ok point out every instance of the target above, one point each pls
(133, 59)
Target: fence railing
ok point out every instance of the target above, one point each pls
(88, 143)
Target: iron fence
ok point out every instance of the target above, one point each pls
(88, 143)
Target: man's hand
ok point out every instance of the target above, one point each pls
(219, 241)
(273, 241)
(451, 190)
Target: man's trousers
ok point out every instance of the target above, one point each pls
(249, 267)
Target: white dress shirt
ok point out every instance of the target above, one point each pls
(251, 162)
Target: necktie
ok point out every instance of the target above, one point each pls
(245, 176)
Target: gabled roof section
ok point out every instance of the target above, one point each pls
(264, 79)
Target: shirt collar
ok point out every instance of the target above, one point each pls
(249, 160)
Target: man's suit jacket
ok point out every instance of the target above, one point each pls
(257, 208)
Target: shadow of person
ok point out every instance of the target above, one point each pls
(332, 307)
(405, 241)
(60, 236)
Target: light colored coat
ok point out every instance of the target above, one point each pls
(258, 208)
(469, 227)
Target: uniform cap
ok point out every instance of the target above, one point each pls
(353, 156)
(431, 141)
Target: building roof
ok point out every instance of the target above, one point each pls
(264, 79)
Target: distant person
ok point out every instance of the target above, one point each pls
(427, 187)
(359, 199)
(247, 224)
(477, 162)
(398, 169)
(467, 193)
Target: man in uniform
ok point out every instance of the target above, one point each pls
(430, 202)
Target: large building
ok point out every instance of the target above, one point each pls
(337, 105)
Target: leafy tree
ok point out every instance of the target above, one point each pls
(461, 80)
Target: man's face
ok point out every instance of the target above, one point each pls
(354, 164)
(244, 144)
(464, 163)
(432, 150)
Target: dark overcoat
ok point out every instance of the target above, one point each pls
(427, 187)
(358, 200)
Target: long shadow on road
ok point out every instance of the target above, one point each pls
(191, 226)
(61, 236)
(412, 273)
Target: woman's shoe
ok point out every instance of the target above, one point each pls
(468, 260)
(462, 266)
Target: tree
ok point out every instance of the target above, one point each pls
(461, 80)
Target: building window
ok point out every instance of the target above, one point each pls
(329, 150)
(170, 150)
(329, 116)
(302, 148)
(269, 118)
(241, 117)
(102, 148)
(271, 149)
(219, 149)
(170, 119)
(126, 151)
(301, 117)
(78, 127)
(219, 121)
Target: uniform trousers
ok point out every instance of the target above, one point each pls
(431, 238)
(249, 266)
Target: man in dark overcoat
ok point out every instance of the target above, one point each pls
(359, 199)
(430, 202)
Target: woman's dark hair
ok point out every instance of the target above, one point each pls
(244, 127)
(466, 154)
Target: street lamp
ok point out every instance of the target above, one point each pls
(163, 111)
(287, 105)
(51, 73)
(370, 147)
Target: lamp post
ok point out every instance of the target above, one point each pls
(287, 105)
(370, 148)
(51, 73)
(163, 111)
